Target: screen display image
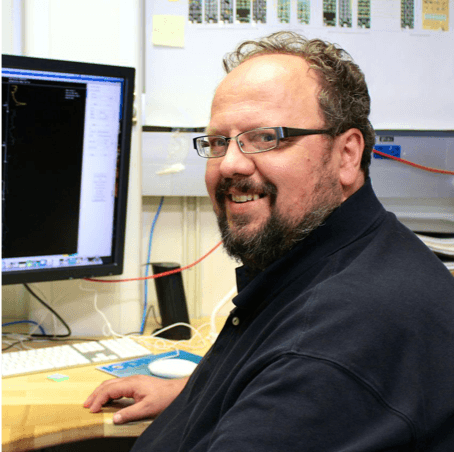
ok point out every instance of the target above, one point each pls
(66, 132)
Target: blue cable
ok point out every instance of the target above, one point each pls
(25, 321)
(147, 265)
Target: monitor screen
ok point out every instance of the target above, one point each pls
(66, 132)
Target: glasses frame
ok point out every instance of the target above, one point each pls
(281, 133)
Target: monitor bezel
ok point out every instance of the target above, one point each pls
(95, 69)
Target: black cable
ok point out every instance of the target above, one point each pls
(140, 333)
(152, 308)
(51, 339)
(54, 313)
(14, 344)
(58, 336)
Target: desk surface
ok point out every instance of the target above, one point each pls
(38, 412)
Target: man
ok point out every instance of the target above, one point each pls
(342, 338)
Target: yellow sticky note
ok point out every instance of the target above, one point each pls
(168, 30)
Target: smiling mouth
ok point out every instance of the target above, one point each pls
(245, 198)
(242, 191)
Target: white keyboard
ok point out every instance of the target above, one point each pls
(63, 356)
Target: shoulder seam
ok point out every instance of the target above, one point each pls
(368, 386)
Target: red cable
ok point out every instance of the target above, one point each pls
(425, 168)
(159, 275)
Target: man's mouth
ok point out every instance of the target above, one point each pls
(242, 191)
(245, 198)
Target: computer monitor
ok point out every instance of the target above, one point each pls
(66, 132)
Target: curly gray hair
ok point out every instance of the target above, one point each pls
(344, 98)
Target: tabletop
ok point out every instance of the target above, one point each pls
(38, 412)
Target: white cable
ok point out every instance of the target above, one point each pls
(438, 245)
(211, 337)
(109, 332)
(166, 344)
(213, 333)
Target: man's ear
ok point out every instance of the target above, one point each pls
(350, 146)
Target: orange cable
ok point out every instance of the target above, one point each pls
(159, 275)
(425, 168)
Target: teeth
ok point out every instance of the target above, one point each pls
(245, 198)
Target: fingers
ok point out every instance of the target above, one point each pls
(151, 395)
(132, 413)
(109, 390)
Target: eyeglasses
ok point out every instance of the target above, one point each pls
(251, 142)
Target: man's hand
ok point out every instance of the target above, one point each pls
(151, 395)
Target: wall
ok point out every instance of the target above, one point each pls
(7, 24)
(408, 68)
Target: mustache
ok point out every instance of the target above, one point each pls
(244, 186)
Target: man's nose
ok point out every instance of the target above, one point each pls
(235, 162)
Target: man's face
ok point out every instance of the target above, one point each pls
(266, 199)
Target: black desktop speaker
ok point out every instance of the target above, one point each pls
(172, 301)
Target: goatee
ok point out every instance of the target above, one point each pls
(279, 234)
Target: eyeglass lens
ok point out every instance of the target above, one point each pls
(257, 140)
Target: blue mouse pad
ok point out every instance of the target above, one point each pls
(139, 366)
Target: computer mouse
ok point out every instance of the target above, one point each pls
(171, 367)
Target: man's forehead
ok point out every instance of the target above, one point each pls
(267, 68)
(267, 76)
(264, 86)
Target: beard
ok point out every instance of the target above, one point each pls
(279, 234)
